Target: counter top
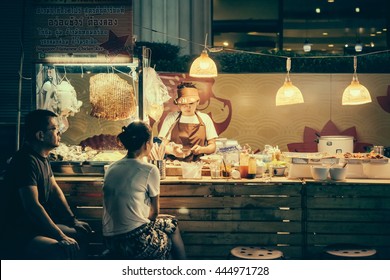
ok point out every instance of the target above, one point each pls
(207, 179)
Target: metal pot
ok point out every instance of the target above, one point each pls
(335, 144)
(386, 152)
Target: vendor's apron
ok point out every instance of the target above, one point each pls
(188, 134)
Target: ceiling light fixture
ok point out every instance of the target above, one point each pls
(355, 93)
(288, 94)
(306, 46)
(203, 66)
(358, 46)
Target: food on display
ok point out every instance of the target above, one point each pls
(108, 156)
(71, 153)
(102, 142)
(111, 97)
(68, 104)
(371, 155)
(211, 158)
(75, 153)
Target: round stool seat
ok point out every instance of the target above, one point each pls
(256, 253)
(350, 251)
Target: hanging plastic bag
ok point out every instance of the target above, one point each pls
(156, 94)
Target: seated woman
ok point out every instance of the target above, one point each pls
(132, 226)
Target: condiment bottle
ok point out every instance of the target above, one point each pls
(244, 161)
(252, 167)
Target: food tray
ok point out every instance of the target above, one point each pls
(73, 168)
(367, 160)
(311, 158)
(357, 160)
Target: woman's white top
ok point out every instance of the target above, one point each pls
(128, 185)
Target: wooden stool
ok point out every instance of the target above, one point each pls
(256, 253)
(349, 251)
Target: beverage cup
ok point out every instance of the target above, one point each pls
(215, 170)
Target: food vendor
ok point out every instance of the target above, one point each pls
(188, 134)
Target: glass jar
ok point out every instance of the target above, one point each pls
(252, 167)
(243, 167)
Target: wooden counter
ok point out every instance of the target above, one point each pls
(298, 217)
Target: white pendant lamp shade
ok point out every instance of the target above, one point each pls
(288, 94)
(306, 46)
(355, 93)
(358, 47)
(203, 67)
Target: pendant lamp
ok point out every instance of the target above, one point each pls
(355, 93)
(306, 46)
(203, 66)
(288, 94)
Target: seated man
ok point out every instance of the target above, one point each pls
(37, 222)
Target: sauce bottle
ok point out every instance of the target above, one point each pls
(252, 167)
(244, 161)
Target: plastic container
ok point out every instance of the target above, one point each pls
(215, 169)
(191, 170)
(161, 165)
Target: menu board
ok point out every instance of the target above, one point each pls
(83, 31)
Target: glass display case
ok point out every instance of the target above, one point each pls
(93, 103)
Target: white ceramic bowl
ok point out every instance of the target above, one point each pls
(319, 173)
(338, 173)
(279, 171)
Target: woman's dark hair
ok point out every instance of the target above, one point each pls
(35, 121)
(135, 135)
(186, 85)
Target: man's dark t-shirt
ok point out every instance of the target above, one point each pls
(27, 168)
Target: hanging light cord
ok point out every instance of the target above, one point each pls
(355, 68)
(288, 68)
(213, 49)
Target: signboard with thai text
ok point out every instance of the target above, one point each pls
(83, 31)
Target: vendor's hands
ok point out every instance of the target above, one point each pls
(178, 151)
(70, 246)
(197, 150)
(82, 226)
